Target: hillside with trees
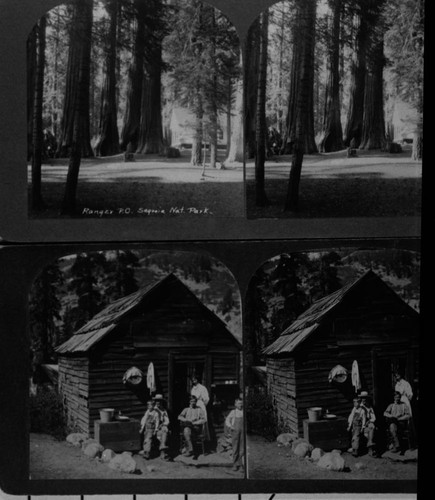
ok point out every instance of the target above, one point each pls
(70, 291)
(284, 287)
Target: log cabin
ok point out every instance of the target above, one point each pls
(164, 332)
(365, 325)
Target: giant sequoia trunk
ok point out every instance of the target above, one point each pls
(373, 128)
(108, 137)
(332, 136)
(303, 49)
(151, 129)
(251, 86)
(196, 157)
(132, 117)
(236, 150)
(306, 33)
(31, 72)
(78, 84)
(260, 130)
(355, 113)
(78, 107)
(37, 127)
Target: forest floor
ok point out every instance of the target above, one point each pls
(150, 185)
(373, 184)
(53, 459)
(268, 461)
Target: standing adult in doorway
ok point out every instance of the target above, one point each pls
(403, 387)
(202, 399)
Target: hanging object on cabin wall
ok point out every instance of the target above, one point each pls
(356, 381)
(132, 376)
(338, 374)
(151, 379)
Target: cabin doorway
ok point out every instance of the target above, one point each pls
(384, 381)
(383, 388)
(183, 371)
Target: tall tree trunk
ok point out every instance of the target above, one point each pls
(132, 117)
(306, 33)
(37, 132)
(288, 138)
(213, 107)
(353, 130)
(417, 145)
(151, 128)
(108, 137)
(332, 137)
(78, 83)
(250, 86)
(31, 76)
(236, 153)
(260, 129)
(228, 115)
(196, 158)
(373, 129)
(301, 45)
(78, 126)
(279, 112)
(55, 101)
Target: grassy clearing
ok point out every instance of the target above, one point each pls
(150, 186)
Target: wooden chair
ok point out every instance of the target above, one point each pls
(198, 441)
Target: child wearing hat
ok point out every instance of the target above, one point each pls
(148, 426)
(163, 428)
(356, 423)
(370, 426)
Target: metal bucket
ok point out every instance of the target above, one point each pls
(314, 413)
(106, 414)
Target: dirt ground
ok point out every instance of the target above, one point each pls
(52, 459)
(149, 186)
(374, 184)
(268, 461)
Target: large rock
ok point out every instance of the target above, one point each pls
(360, 466)
(286, 439)
(93, 450)
(107, 455)
(89, 441)
(298, 441)
(76, 438)
(123, 463)
(332, 461)
(302, 449)
(317, 454)
(411, 455)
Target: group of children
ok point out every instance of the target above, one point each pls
(155, 424)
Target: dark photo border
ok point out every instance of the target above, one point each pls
(242, 258)
(17, 17)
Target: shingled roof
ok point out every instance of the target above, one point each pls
(106, 320)
(316, 315)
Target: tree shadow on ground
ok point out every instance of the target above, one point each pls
(341, 197)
